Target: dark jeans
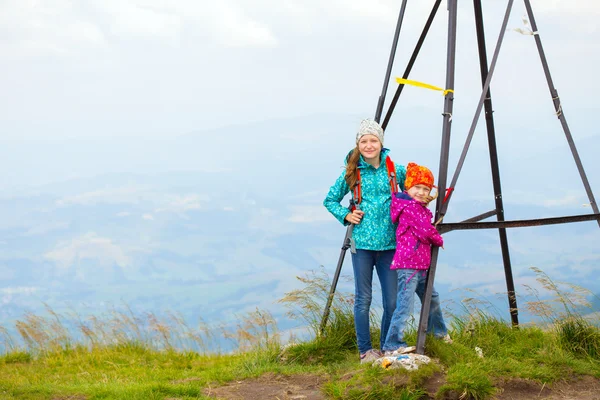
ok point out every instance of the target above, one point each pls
(363, 262)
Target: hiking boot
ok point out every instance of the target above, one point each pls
(400, 350)
(447, 339)
(369, 356)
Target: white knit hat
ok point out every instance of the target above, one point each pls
(369, 127)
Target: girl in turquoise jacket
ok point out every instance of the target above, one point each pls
(373, 235)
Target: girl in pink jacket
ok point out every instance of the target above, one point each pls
(414, 237)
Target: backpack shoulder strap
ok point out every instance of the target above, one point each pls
(391, 169)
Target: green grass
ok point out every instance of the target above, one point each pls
(143, 363)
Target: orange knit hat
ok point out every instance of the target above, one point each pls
(418, 175)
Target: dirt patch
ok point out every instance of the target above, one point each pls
(349, 375)
(271, 386)
(434, 383)
(307, 387)
(521, 389)
(584, 388)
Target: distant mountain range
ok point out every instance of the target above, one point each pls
(214, 224)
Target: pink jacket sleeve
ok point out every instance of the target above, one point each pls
(427, 233)
(436, 238)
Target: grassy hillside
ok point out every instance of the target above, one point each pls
(134, 357)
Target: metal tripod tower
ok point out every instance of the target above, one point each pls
(485, 103)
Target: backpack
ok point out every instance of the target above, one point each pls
(357, 195)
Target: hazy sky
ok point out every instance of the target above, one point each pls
(160, 68)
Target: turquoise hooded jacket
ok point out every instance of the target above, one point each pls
(376, 230)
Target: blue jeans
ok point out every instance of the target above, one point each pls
(411, 281)
(363, 262)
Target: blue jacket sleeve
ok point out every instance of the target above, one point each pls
(400, 175)
(333, 200)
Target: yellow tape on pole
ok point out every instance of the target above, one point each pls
(423, 85)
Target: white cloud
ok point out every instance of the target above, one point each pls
(19, 290)
(148, 217)
(224, 22)
(181, 204)
(376, 10)
(268, 221)
(236, 29)
(88, 247)
(140, 19)
(469, 275)
(43, 229)
(559, 7)
(568, 200)
(46, 27)
(561, 199)
(60, 26)
(10, 292)
(126, 194)
(136, 195)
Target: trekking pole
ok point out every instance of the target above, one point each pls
(345, 246)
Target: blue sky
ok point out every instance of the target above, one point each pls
(152, 149)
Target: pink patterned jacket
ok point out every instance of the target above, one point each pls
(415, 233)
